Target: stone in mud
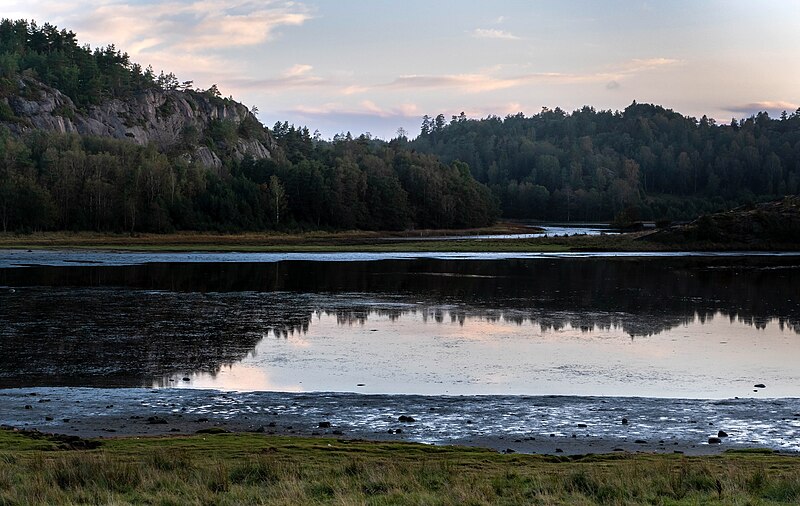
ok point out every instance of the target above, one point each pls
(156, 420)
(722, 433)
(324, 425)
(714, 441)
(624, 421)
(509, 450)
(759, 385)
(406, 419)
(640, 442)
(559, 450)
(28, 406)
(582, 425)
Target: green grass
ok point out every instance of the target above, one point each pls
(320, 242)
(360, 241)
(256, 469)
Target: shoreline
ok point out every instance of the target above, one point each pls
(371, 242)
(546, 425)
(91, 257)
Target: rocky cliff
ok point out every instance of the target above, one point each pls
(202, 127)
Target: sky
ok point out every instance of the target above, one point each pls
(379, 65)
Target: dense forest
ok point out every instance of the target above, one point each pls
(51, 180)
(645, 162)
(58, 181)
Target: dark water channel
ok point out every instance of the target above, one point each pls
(697, 327)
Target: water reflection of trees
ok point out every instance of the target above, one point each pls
(632, 324)
(83, 325)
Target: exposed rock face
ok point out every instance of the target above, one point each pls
(172, 120)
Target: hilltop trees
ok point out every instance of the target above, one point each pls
(88, 76)
(647, 160)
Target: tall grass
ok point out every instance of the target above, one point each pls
(238, 469)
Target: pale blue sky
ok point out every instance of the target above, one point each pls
(372, 65)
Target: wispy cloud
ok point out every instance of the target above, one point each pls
(180, 24)
(492, 33)
(297, 70)
(470, 83)
(771, 106)
(364, 108)
(144, 25)
(640, 65)
(295, 77)
(489, 81)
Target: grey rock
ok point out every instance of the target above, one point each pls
(166, 119)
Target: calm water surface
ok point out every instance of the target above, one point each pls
(657, 326)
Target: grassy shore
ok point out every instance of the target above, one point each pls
(368, 242)
(322, 242)
(257, 469)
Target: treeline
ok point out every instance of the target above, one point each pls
(66, 182)
(365, 184)
(645, 162)
(52, 56)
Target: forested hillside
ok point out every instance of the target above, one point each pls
(91, 141)
(645, 162)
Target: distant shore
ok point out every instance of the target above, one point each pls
(368, 242)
